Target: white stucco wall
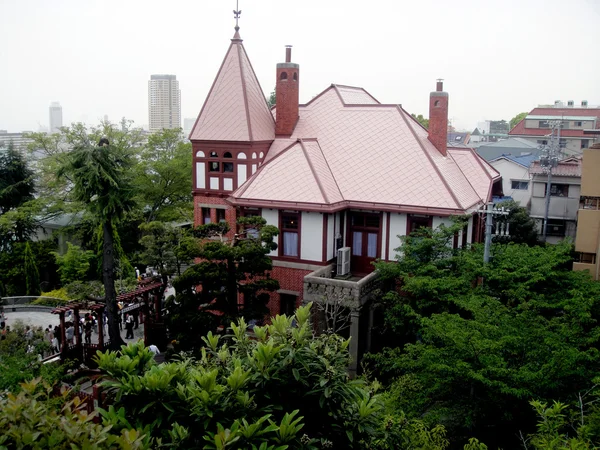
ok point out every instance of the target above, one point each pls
(511, 171)
(437, 221)
(397, 228)
(330, 236)
(272, 218)
(311, 236)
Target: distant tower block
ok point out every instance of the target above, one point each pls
(164, 102)
(56, 121)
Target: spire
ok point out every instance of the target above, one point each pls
(237, 12)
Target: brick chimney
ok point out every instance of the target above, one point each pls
(286, 95)
(438, 118)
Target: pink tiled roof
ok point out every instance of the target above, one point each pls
(570, 167)
(235, 109)
(520, 130)
(361, 152)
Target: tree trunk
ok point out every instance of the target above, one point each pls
(108, 278)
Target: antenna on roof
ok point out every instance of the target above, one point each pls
(236, 15)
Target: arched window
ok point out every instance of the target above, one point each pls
(200, 154)
(283, 76)
(227, 155)
(295, 76)
(437, 103)
(261, 154)
(253, 155)
(214, 155)
(241, 155)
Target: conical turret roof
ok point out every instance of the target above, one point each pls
(235, 108)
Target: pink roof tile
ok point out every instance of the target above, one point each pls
(365, 153)
(235, 109)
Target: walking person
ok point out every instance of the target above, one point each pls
(87, 326)
(129, 326)
(70, 332)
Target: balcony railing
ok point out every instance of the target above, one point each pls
(319, 286)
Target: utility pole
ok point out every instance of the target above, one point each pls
(549, 161)
(501, 229)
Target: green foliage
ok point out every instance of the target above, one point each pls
(283, 389)
(166, 247)
(422, 120)
(471, 354)
(30, 419)
(12, 266)
(32, 275)
(163, 176)
(272, 100)
(16, 191)
(523, 229)
(227, 268)
(17, 365)
(55, 297)
(515, 120)
(74, 265)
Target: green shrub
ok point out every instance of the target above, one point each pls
(58, 297)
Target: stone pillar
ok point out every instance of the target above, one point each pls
(353, 349)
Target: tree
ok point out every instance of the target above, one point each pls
(166, 247)
(164, 177)
(74, 265)
(32, 276)
(102, 180)
(272, 99)
(209, 293)
(521, 226)
(515, 120)
(422, 120)
(16, 191)
(469, 354)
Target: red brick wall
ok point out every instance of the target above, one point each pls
(289, 280)
(230, 213)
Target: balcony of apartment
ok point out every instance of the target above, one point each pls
(564, 208)
(350, 297)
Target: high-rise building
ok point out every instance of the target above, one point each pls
(55, 117)
(164, 102)
(188, 124)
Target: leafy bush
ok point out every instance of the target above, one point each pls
(30, 419)
(74, 265)
(282, 389)
(58, 297)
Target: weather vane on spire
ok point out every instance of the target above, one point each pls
(236, 14)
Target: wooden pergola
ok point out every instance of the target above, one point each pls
(147, 290)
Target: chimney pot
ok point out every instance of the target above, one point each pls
(440, 85)
(288, 53)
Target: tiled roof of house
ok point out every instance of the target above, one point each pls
(349, 150)
(570, 167)
(520, 130)
(235, 108)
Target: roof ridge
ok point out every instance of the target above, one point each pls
(435, 167)
(244, 93)
(329, 168)
(314, 172)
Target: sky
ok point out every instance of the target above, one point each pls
(497, 59)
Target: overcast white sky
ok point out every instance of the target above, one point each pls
(96, 56)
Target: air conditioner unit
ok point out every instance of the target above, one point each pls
(343, 261)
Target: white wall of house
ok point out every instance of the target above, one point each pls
(511, 171)
(311, 240)
(383, 235)
(397, 228)
(437, 221)
(330, 237)
(272, 218)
